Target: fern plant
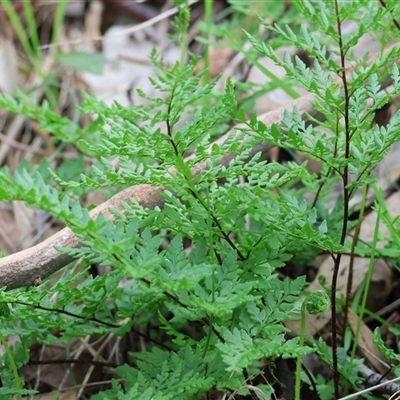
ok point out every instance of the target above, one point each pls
(202, 265)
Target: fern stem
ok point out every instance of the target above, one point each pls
(346, 200)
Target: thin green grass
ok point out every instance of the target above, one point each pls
(208, 7)
(19, 30)
(367, 281)
(58, 21)
(32, 29)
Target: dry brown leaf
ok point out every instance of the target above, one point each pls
(129, 66)
(94, 198)
(93, 24)
(9, 234)
(8, 66)
(25, 219)
(388, 171)
(381, 285)
(314, 323)
(219, 58)
(367, 345)
(11, 132)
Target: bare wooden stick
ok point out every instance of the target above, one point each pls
(29, 267)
